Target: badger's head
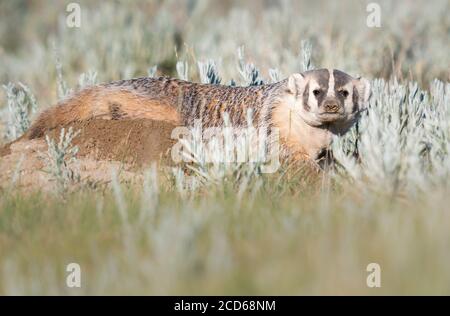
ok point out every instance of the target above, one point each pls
(328, 98)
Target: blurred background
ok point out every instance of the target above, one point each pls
(123, 39)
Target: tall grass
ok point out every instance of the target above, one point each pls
(60, 159)
(228, 228)
(401, 143)
(17, 115)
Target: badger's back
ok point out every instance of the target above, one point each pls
(144, 98)
(162, 99)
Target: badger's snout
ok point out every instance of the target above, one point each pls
(331, 106)
(328, 96)
(330, 110)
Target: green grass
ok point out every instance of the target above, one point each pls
(268, 242)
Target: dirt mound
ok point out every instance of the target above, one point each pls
(125, 145)
(5, 150)
(136, 142)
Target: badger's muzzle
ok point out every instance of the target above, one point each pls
(330, 110)
(331, 107)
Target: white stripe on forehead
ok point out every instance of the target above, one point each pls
(330, 84)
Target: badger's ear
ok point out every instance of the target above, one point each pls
(296, 83)
(363, 87)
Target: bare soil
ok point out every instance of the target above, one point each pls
(125, 145)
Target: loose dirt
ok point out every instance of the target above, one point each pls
(104, 145)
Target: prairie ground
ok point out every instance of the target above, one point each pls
(133, 226)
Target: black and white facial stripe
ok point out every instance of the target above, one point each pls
(329, 86)
(306, 98)
(324, 96)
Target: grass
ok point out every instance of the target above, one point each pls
(268, 242)
(236, 231)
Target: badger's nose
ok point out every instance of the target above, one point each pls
(331, 106)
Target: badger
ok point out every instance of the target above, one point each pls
(306, 108)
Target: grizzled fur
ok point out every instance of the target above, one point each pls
(307, 108)
(207, 102)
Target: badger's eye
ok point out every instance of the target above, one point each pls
(344, 93)
(316, 92)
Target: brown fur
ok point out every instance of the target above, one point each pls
(99, 102)
(299, 138)
(287, 105)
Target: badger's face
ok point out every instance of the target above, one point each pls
(328, 98)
